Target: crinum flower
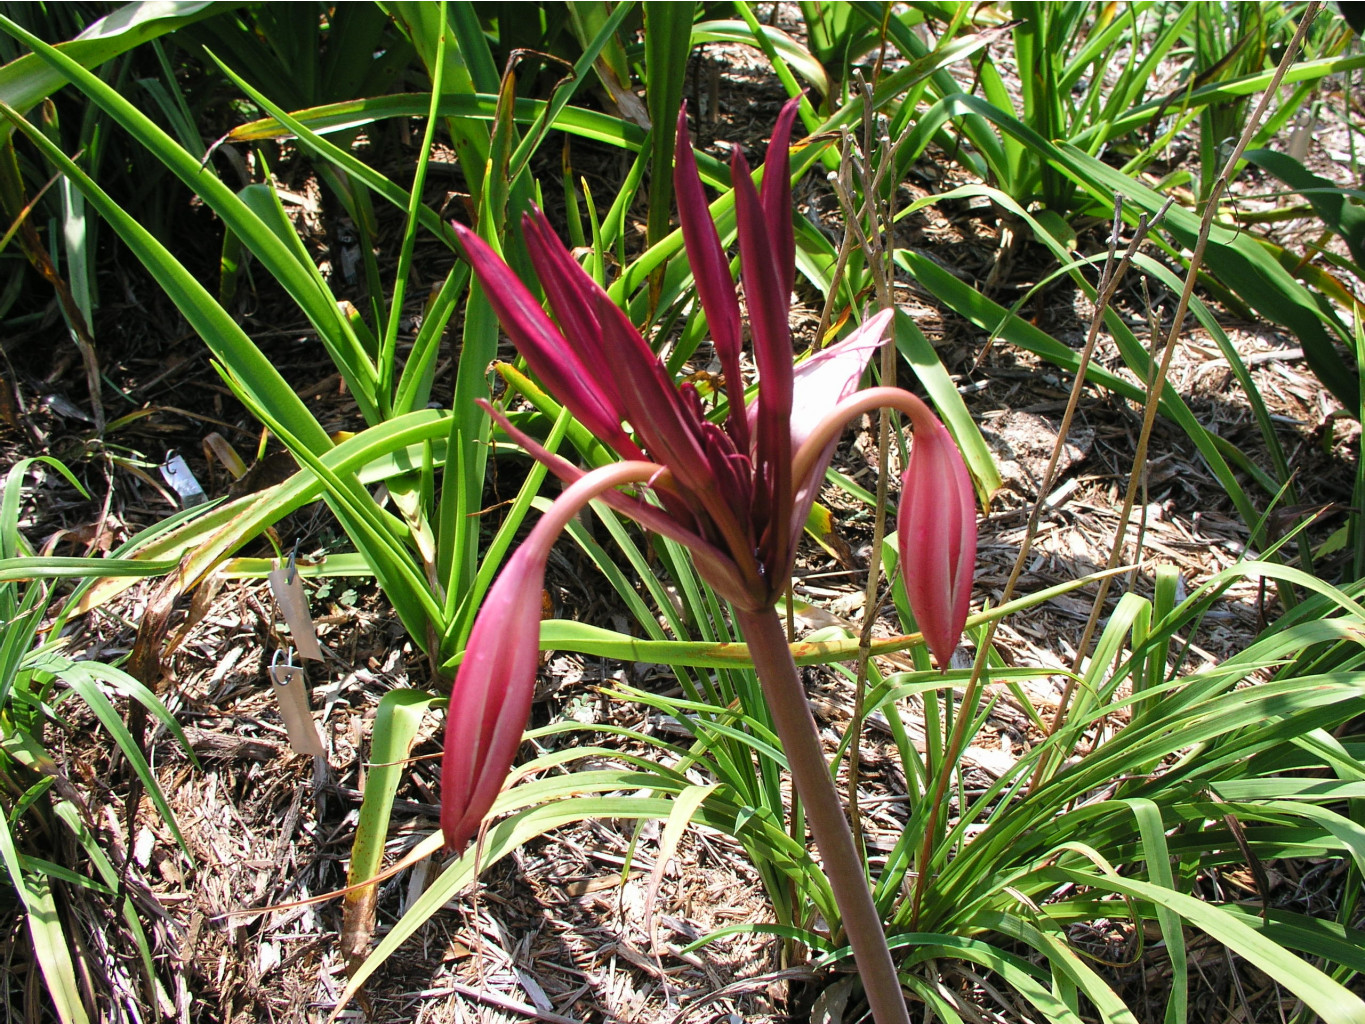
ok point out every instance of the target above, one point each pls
(735, 490)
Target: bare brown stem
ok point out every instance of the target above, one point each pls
(1110, 278)
(865, 223)
(1154, 393)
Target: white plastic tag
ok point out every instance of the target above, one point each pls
(293, 605)
(176, 472)
(291, 691)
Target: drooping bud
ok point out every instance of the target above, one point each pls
(491, 699)
(937, 525)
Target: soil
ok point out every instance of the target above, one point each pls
(557, 931)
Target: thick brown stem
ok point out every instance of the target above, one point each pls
(810, 773)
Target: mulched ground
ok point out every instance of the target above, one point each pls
(556, 932)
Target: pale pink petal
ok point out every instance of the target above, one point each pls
(832, 374)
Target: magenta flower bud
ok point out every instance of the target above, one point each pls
(937, 526)
(491, 698)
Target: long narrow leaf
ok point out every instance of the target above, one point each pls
(28, 80)
(50, 947)
(1333, 1002)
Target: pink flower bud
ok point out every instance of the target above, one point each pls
(491, 699)
(937, 524)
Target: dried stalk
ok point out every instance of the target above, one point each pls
(1154, 394)
(1110, 278)
(878, 156)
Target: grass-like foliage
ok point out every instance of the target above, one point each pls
(48, 829)
(690, 495)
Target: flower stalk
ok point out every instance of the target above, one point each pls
(800, 737)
